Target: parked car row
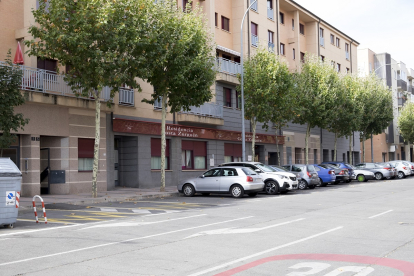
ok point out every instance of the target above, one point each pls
(240, 178)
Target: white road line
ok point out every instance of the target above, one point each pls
(112, 210)
(381, 214)
(119, 242)
(140, 211)
(138, 223)
(263, 252)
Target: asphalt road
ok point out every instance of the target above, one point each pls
(348, 229)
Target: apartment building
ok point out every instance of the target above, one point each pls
(399, 78)
(54, 151)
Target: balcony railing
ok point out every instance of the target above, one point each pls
(271, 46)
(126, 96)
(255, 40)
(228, 66)
(206, 110)
(270, 13)
(401, 84)
(322, 41)
(347, 55)
(254, 6)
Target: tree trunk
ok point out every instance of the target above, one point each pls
(335, 148)
(363, 148)
(277, 148)
(163, 142)
(253, 124)
(350, 150)
(307, 144)
(97, 140)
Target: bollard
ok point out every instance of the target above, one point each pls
(17, 199)
(43, 206)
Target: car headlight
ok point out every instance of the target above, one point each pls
(285, 177)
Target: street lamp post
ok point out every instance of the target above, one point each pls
(242, 82)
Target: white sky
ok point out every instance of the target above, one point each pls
(381, 25)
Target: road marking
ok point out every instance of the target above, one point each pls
(139, 211)
(381, 214)
(264, 252)
(139, 223)
(48, 221)
(224, 231)
(113, 210)
(119, 242)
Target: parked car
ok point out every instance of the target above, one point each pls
(362, 175)
(275, 181)
(380, 172)
(341, 174)
(403, 168)
(342, 165)
(234, 180)
(326, 175)
(408, 164)
(387, 164)
(307, 174)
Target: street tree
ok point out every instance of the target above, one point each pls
(181, 62)
(406, 122)
(10, 97)
(377, 110)
(313, 84)
(266, 82)
(95, 38)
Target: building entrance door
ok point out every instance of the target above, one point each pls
(44, 171)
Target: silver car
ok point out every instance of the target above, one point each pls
(403, 168)
(306, 173)
(380, 172)
(234, 180)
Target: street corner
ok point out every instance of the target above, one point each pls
(323, 265)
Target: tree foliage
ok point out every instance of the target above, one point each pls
(406, 122)
(10, 97)
(103, 42)
(181, 62)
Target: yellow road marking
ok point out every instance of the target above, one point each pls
(48, 220)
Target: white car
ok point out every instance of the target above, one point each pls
(275, 181)
(403, 168)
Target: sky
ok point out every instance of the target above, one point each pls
(381, 25)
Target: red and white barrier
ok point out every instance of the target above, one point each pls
(17, 199)
(43, 206)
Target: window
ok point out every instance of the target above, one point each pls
(338, 41)
(156, 154)
(238, 99)
(320, 32)
(47, 64)
(347, 70)
(255, 39)
(232, 152)
(347, 47)
(185, 3)
(270, 4)
(270, 35)
(213, 173)
(323, 58)
(281, 18)
(302, 57)
(293, 24)
(158, 103)
(227, 97)
(294, 53)
(301, 28)
(215, 19)
(338, 67)
(332, 39)
(85, 154)
(226, 56)
(229, 172)
(254, 28)
(225, 23)
(282, 49)
(193, 155)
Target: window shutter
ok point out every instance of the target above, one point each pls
(237, 150)
(187, 145)
(200, 148)
(228, 149)
(85, 147)
(156, 147)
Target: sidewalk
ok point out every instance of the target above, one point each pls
(118, 194)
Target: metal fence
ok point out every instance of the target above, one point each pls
(207, 110)
(322, 41)
(228, 66)
(254, 6)
(270, 14)
(126, 96)
(271, 46)
(255, 40)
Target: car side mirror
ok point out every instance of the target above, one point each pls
(202, 176)
(257, 170)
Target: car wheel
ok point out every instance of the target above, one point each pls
(10, 226)
(205, 194)
(302, 184)
(252, 194)
(188, 190)
(236, 191)
(361, 178)
(378, 176)
(320, 183)
(401, 175)
(271, 187)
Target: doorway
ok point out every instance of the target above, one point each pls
(44, 171)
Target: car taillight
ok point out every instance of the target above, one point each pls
(388, 169)
(249, 179)
(331, 172)
(309, 174)
(342, 172)
(404, 168)
(412, 167)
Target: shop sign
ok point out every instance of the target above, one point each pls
(152, 128)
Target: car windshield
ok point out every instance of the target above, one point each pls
(265, 168)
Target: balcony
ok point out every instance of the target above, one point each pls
(206, 114)
(255, 40)
(271, 47)
(270, 14)
(322, 41)
(401, 101)
(402, 85)
(48, 82)
(228, 66)
(254, 6)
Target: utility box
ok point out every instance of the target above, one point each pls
(10, 186)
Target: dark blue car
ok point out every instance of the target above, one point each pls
(326, 175)
(342, 165)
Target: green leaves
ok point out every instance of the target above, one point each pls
(406, 122)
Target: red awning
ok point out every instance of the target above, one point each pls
(18, 57)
